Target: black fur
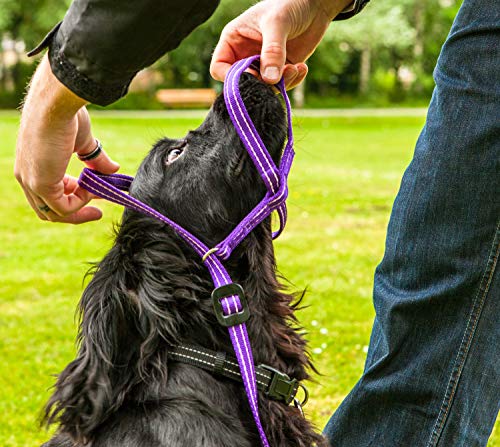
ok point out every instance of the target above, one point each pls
(151, 291)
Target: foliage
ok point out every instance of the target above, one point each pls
(30, 20)
(188, 65)
(11, 99)
(24, 23)
(133, 101)
(364, 54)
(385, 25)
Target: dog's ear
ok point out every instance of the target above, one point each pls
(96, 382)
(131, 311)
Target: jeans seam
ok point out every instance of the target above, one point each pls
(467, 338)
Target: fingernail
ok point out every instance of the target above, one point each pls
(272, 74)
(290, 77)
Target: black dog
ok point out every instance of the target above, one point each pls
(151, 291)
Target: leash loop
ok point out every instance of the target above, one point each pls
(306, 394)
(208, 253)
(298, 405)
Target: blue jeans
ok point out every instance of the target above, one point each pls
(432, 374)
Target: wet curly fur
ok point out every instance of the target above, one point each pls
(151, 291)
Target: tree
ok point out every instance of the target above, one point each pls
(187, 66)
(25, 22)
(383, 25)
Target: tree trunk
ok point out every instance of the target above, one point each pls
(15, 69)
(15, 72)
(298, 95)
(364, 70)
(3, 71)
(418, 49)
(419, 12)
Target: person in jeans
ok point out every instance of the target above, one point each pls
(432, 373)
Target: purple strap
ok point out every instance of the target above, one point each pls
(274, 179)
(111, 187)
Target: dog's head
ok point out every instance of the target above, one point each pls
(206, 181)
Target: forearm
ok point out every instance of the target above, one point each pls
(102, 44)
(48, 112)
(54, 101)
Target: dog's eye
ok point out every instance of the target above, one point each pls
(174, 154)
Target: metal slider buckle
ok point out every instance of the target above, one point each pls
(227, 291)
(281, 387)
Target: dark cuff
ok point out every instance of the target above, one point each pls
(77, 82)
(355, 7)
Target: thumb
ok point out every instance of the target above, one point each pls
(273, 54)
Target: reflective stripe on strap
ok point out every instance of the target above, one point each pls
(273, 383)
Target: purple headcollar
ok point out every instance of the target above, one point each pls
(230, 304)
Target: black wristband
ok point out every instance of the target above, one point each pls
(357, 6)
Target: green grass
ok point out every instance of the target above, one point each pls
(342, 185)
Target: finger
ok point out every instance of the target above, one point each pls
(254, 72)
(224, 55)
(35, 204)
(66, 204)
(290, 73)
(86, 214)
(302, 73)
(71, 184)
(273, 53)
(222, 59)
(100, 161)
(84, 141)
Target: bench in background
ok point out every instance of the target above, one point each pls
(197, 97)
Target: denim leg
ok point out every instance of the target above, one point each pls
(432, 374)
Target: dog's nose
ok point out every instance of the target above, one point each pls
(255, 93)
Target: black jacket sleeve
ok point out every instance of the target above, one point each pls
(101, 44)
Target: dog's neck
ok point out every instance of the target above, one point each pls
(172, 284)
(151, 292)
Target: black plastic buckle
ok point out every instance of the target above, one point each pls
(224, 292)
(281, 387)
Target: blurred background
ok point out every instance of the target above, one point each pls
(347, 171)
(382, 57)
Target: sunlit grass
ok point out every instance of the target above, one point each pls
(343, 182)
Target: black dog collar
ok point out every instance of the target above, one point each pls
(273, 383)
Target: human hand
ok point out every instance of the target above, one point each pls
(284, 32)
(54, 124)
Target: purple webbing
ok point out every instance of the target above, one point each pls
(244, 126)
(274, 179)
(110, 187)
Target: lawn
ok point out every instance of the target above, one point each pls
(342, 185)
